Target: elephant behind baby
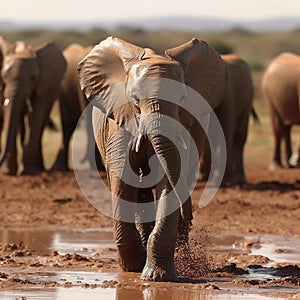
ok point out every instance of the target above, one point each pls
(233, 113)
(281, 89)
(72, 104)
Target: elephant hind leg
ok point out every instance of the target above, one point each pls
(238, 176)
(278, 132)
(288, 145)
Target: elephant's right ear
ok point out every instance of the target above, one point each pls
(104, 67)
(205, 71)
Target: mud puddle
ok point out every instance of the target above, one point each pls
(78, 241)
(125, 294)
(157, 293)
(71, 284)
(274, 256)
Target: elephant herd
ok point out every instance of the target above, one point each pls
(31, 80)
(144, 104)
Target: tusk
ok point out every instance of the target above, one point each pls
(29, 106)
(138, 143)
(182, 143)
(6, 102)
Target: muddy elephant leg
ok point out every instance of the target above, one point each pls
(32, 154)
(10, 165)
(287, 144)
(131, 254)
(145, 214)
(69, 120)
(238, 172)
(160, 265)
(278, 130)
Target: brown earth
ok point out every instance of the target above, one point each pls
(268, 204)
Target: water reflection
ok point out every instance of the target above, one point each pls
(128, 294)
(45, 241)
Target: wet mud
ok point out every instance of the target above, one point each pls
(245, 244)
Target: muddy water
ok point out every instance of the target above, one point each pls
(129, 287)
(125, 294)
(277, 248)
(89, 241)
(45, 241)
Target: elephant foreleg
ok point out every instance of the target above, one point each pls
(160, 265)
(131, 254)
(69, 120)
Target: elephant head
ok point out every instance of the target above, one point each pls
(129, 83)
(114, 61)
(30, 75)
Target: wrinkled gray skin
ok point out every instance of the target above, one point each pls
(72, 103)
(147, 247)
(281, 89)
(31, 79)
(233, 114)
(5, 47)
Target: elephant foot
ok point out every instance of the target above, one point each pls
(32, 170)
(9, 169)
(61, 168)
(165, 271)
(275, 166)
(294, 161)
(132, 260)
(61, 162)
(9, 172)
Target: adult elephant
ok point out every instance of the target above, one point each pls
(72, 103)
(233, 114)
(281, 89)
(132, 123)
(5, 47)
(31, 78)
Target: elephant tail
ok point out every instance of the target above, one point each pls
(51, 125)
(255, 115)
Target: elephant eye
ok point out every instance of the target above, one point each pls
(135, 98)
(182, 98)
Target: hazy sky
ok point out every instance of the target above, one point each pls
(97, 10)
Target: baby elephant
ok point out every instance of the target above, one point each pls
(138, 97)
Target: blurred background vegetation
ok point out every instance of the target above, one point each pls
(256, 48)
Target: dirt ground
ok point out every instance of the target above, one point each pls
(268, 204)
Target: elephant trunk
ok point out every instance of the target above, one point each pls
(163, 138)
(12, 114)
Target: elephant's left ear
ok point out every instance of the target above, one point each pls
(205, 71)
(106, 66)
